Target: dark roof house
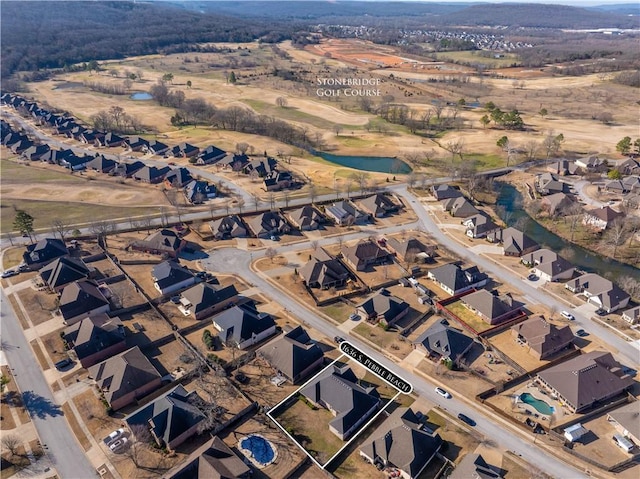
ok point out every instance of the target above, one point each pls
(442, 341)
(548, 265)
(474, 466)
(306, 218)
(177, 178)
(323, 271)
(444, 192)
(228, 227)
(490, 307)
(383, 307)
(268, 224)
(543, 338)
(242, 326)
(62, 271)
(80, 299)
(170, 276)
(163, 242)
(600, 291)
(204, 299)
(96, 338)
(411, 249)
(151, 174)
(378, 205)
(43, 252)
(455, 280)
(364, 254)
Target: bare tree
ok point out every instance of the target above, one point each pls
(337, 129)
(531, 150)
(272, 201)
(11, 443)
(213, 207)
(61, 227)
(140, 438)
(281, 102)
(455, 147)
(574, 215)
(256, 200)
(286, 196)
(271, 253)
(314, 245)
(616, 235)
(313, 192)
(240, 204)
(361, 178)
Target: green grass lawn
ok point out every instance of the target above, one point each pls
(338, 311)
(468, 316)
(292, 114)
(376, 335)
(16, 173)
(73, 213)
(12, 257)
(487, 161)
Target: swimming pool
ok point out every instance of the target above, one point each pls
(258, 449)
(540, 406)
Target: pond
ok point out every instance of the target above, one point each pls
(141, 95)
(511, 201)
(378, 164)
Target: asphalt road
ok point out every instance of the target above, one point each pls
(228, 260)
(64, 452)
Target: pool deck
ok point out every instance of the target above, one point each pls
(537, 393)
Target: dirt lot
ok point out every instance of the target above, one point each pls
(144, 327)
(166, 358)
(386, 340)
(40, 305)
(124, 295)
(54, 345)
(598, 444)
(11, 398)
(259, 387)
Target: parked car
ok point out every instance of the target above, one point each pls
(119, 444)
(354, 317)
(443, 393)
(10, 272)
(274, 238)
(23, 268)
(175, 299)
(568, 315)
(338, 339)
(60, 365)
(114, 436)
(582, 333)
(532, 277)
(241, 378)
(601, 312)
(466, 419)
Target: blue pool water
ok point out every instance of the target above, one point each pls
(259, 447)
(540, 406)
(141, 96)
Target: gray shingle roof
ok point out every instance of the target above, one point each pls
(205, 295)
(384, 304)
(168, 273)
(323, 270)
(80, 297)
(214, 460)
(543, 336)
(46, 249)
(241, 322)
(445, 341)
(63, 270)
(490, 305)
(455, 278)
(292, 353)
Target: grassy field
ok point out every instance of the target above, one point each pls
(290, 113)
(74, 213)
(468, 316)
(16, 173)
(506, 60)
(12, 257)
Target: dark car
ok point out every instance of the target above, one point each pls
(466, 419)
(241, 378)
(582, 333)
(339, 339)
(60, 365)
(601, 312)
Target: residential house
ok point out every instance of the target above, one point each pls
(171, 418)
(155, 147)
(441, 341)
(214, 460)
(323, 271)
(210, 155)
(345, 213)
(630, 166)
(261, 166)
(13, 138)
(474, 466)
(556, 203)
(563, 168)
(278, 180)
(632, 315)
(548, 265)
(91, 137)
(125, 378)
(96, 338)
(383, 308)
(626, 420)
(151, 174)
(615, 186)
(21, 145)
(101, 164)
(493, 309)
(479, 226)
(44, 252)
(110, 140)
(135, 143)
(197, 192)
(35, 152)
(183, 150)
(600, 292)
(233, 162)
(205, 299)
(305, 218)
(411, 250)
(631, 184)
(127, 170)
(294, 355)
(228, 227)
(402, 443)
(74, 162)
(459, 207)
(548, 184)
(592, 163)
(455, 280)
(587, 380)
(543, 338)
(163, 242)
(337, 390)
(243, 326)
(601, 218)
(378, 205)
(177, 178)
(62, 271)
(364, 254)
(55, 157)
(514, 242)
(80, 299)
(445, 192)
(268, 224)
(170, 276)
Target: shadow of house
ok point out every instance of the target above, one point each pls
(294, 355)
(172, 418)
(402, 442)
(96, 338)
(125, 378)
(338, 391)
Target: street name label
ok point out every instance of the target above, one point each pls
(375, 367)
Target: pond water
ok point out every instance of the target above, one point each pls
(540, 406)
(379, 164)
(141, 95)
(511, 201)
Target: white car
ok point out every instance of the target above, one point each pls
(115, 435)
(568, 315)
(443, 393)
(119, 444)
(10, 272)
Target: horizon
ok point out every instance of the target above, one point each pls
(570, 3)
